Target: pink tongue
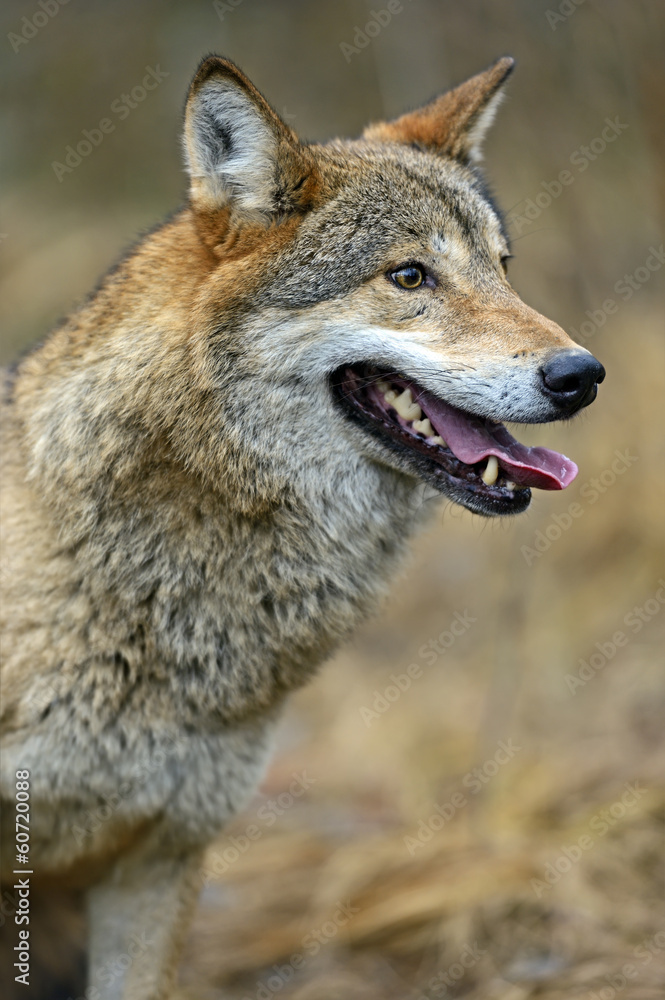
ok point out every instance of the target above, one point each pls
(472, 439)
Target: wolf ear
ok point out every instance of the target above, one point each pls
(239, 153)
(456, 122)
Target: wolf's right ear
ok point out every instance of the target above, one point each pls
(456, 122)
(239, 153)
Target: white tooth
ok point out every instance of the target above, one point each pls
(382, 385)
(438, 440)
(423, 427)
(406, 407)
(491, 473)
(510, 485)
(390, 396)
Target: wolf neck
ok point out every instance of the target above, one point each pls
(205, 575)
(227, 612)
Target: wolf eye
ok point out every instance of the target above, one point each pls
(408, 277)
(504, 261)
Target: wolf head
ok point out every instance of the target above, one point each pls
(357, 310)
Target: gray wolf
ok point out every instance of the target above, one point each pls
(212, 467)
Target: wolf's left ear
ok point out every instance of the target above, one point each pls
(456, 122)
(239, 152)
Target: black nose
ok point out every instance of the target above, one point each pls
(570, 379)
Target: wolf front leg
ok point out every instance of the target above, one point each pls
(138, 919)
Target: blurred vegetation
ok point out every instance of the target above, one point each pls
(537, 616)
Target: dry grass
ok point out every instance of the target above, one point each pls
(480, 880)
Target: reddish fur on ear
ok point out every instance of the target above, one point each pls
(454, 124)
(240, 154)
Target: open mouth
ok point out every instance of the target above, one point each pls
(474, 461)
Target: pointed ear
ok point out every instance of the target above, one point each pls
(239, 153)
(455, 123)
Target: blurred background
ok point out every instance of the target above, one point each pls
(474, 811)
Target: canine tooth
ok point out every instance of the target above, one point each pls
(406, 407)
(423, 427)
(438, 440)
(390, 396)
(491, 473)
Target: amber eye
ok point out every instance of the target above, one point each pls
(408, 277)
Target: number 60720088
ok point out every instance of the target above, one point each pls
(22, 815)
